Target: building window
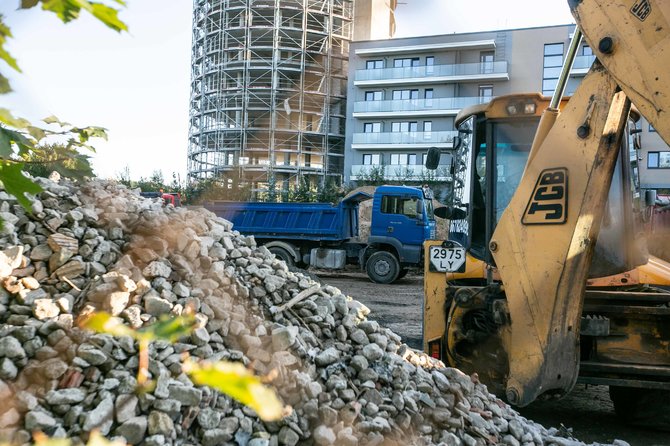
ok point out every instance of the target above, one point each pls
(430, 63)
(651, 128)
(372, 159)
(428, 96)
(405, 94)
(374, 95)
(486, 61)
(427, 129)
(658, 160)
(585, 51)
(399, 159)
(404, 126)
(403, 159)
(486, 91)
(406, 62)
(372, 127)
(374, 64)
(553, 60)
(229, 158)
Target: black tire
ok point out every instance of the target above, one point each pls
(642, 407)
(283, 254)
(382, 267)
(403, 272)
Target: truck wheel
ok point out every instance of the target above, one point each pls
(382, 267)
(403, 272)
(642, 407)
(283, 255)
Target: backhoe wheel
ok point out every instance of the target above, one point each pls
(382, 267)
(282, 254)
(642, 407)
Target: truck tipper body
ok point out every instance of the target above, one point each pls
(326, 236)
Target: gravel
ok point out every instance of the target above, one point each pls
(101, 247)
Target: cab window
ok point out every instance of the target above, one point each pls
(399, 205)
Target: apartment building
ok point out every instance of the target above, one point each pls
(403, 95)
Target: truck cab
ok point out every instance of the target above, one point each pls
(402, 218)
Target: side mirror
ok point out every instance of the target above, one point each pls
(450, 213)
(433, 158)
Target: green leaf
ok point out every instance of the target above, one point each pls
(5, 33)
(7, 118)
(66, 10)
(6, 149)
(54, 120)
(22, 142)
(16, 183)
(27, 4)
(108, 16)
(4, 85)
(237, 381)
(106, 323)
(87, 133)
(169, 328)
(36, 132)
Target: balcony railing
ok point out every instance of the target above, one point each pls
(406, 172)
(405, 138)
(493, 69)
(418, 105)
(582, 64)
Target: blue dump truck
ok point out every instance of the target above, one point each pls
(326, 236)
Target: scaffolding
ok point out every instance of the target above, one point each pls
(268, 90)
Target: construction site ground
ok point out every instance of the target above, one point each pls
(587, 411)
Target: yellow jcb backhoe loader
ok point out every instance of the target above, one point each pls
(544, 281)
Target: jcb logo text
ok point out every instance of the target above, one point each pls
(548, 205)
(641, 9)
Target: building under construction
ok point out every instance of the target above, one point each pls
(268, 92)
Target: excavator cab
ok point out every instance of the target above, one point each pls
(492, 150)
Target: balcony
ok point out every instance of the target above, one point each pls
(581, 65)
(466, 72)
(403, 172)
(398, 140)
(415, 107)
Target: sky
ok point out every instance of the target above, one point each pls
(137, 84)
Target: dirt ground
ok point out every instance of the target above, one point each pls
(587, 411)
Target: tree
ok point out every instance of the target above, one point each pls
(56, 157)
(375, 176)
(329, 192)
(231, 186)
(23, 143)
(303, 193)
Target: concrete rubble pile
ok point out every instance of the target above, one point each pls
(102, 247)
